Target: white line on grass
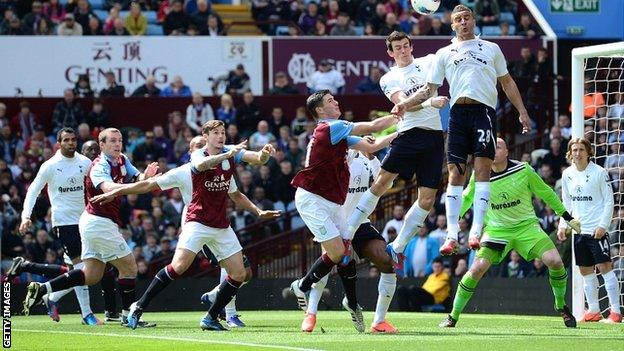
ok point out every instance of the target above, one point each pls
(168, 338)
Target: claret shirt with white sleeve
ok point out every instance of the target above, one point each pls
(64, 177)
(408, 80)
(588, 196)
(471, 68)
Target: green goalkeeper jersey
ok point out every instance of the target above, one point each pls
(511, 192)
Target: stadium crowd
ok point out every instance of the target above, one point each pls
(274, 17)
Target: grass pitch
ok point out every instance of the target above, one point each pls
(279, 330)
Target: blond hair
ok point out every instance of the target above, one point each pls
(581, 141)
(104, 134)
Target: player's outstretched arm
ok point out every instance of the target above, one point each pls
(40, 181)
(379, 124)
(420, 96)
(242, 201)
(259, 157)
(370, 144)
(150, 171)
(141, 187)
(212, 161)
(511, 90)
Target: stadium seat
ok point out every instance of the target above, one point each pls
(507, 17)
(281, 30)
(123, 14)
(97, 4)
(490, 30)
(151, 16)
(512, 29)
(155, 29)
(359, 30)
(101, 14)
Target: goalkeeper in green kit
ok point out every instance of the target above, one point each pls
(511, 224)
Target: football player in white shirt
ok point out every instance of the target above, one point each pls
(64, 176)
(418, 149)
(472, 67)
(587, 195)
(367, 243)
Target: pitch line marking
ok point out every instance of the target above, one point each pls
(168, 338)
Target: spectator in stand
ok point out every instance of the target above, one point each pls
(148, 151)
(84, 135)
(284, 192)
(330, 15)
(227, 112)
(33, 19)
(390, 25)
(200, 17)
(266, 181)
(24, 123)
(440, 232)
(555, 158)
(546, 172)
(277, 120)
(523, 70)
(181, 146)
(514, 267)
(9, 144)
(320, 29)
(439, 28)
(616, 110)
(294, 154)
(396, 222)
(283, 138)
(261, 137)
(343, 26)
(176, 20)
(82, 12)
(246, 183)
(54, 11)
(119, 28)
(260, 200)
(98, 117)
(248, 115)
(67, 113)
(165, 143)
(370, 84)
(113, 14)
(212, 28)
(44, 27)
(69, 26)
(112, 88)
(231, 134)
(82, 88)
(176, 125)
(305, 137)
(326, 78)
(298, 124)
(419, 254)
(149, 89)
(136, 22)
(173, 207)
(307, 20)
(282, 86)
(237, 81)
(151, 247)
(565, 126)
(198, 113)
(122, 5)
(379, 19)
(435, 290)
(394, 6)
(176, 88)
(505, 31)
(527, 28)
(366, 11)
(94, 27)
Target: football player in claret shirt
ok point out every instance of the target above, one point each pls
(322, 189)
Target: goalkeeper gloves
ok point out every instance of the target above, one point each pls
(573, 223)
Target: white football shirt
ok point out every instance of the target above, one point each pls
(408, 80)
(471, 68)
(330, 80)
(362, 171)
(65, 180)
(588, 196)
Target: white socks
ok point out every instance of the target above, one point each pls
(315, 295)
(453, 205)
(82, 294)
(613, 291)
(590, 285)
(386, 288)
(413, 222)
(57, 295)
(364, 208)
(480, 202)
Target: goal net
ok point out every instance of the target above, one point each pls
(598, 115)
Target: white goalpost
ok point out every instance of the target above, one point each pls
(598, 72)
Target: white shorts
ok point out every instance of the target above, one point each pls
(223, 242)
(321, 216)
(101, 239)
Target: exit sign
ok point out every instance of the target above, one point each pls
(571, 6)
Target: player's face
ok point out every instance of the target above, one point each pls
(216, 137)
(579, 154)
(463, 24)
(91, 149)
(68, 143)
(331, 108)
(113, 144)
(401, 51)
(501, 151)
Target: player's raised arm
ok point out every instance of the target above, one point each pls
(34, 190)
(259, 157)
(511, 90)
(242, 201)
(370, 144)
(140, 187)
(420, 97)
(379, 124)
(208, 162)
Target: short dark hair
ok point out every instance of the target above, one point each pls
(343, 14)
(210, 125)
(24, 104)
(437, 260)
(316, 100)
(395, 36)
(64, 130)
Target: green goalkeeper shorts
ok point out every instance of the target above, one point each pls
(530, 241)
